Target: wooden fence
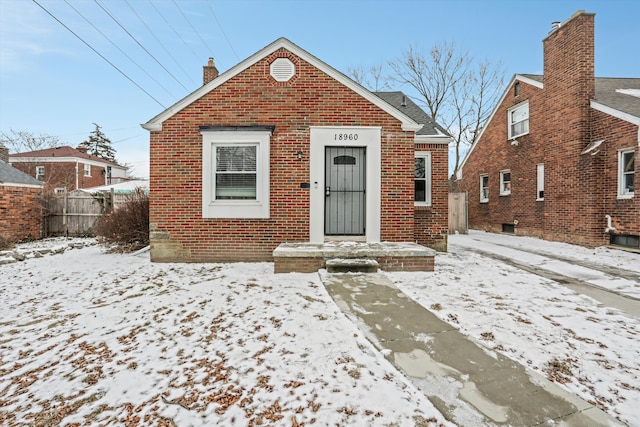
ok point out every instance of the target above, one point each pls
(75, 213)
(458, 216)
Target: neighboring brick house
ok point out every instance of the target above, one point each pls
(284, 148)
(558, 158)
(68, 168)
(20, 207)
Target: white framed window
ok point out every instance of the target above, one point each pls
(505, 182)
(518, 119)
(626, 173)
(484, 188)
(60, 190)
(422, 178)
(87, 170)
(540, 181)
(40, 173)
(235, 172)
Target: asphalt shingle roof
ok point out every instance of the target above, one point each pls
(11, 175)
(64, 151)
(412, 110)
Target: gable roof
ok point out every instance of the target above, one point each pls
(155, 124)
(59, 152)
(11, 175)
(406, 105)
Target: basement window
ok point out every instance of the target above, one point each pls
(626, 240)
(508, 228)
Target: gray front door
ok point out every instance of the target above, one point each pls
(345, 173)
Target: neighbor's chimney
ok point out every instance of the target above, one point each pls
(81, 148)
(4, 153)
(209, 72)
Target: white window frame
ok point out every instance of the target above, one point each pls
(623, 192)
(522, 107)
(40, 173)
(87, 169)
(484, 190)
(540, 182)
(60, 190)
(426, 155)
(505, 191)
(226, 208)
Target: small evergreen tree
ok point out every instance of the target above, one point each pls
(99, 145)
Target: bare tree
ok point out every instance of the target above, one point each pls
(18, 141)
(373, 78)
(457, 91)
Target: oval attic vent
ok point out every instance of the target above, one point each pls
(282, 69)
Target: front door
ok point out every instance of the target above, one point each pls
(344, 213)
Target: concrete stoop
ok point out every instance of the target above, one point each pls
(471, 385)
(352, 265)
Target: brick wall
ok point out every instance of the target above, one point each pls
(21, 213)
(580, 189)
(431, 223)
(310, 98)
(63, 174)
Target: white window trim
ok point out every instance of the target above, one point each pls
(38, 174)
(212, 208)
(504, 192)
(509, 123)
(539, 181)
(428, 177)
(622, 193)
(482, 198)
(87, 169)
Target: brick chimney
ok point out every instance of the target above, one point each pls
(82, 149)
(209, 72)
(4, 153)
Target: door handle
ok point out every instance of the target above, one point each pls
(327, 191)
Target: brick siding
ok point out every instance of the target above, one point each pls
(21, 213)
(63, 174)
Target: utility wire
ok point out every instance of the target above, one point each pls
(174, 30)
(139, 44)
(193, 28)
(223, 33)
(159, 42)
(99, 54)
(118, 47)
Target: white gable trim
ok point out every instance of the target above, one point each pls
(432, 139)
(517, 77)
(69, 159)
(615, 113)
(15, 184)
(155, 124)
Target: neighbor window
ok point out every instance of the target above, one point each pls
(484, 188)
(87, 170)
(518, 117)
(235, 172)
(505, 183)
(626, 172)
(60, 190)
(40, 173)
(422, 178)
(540, 181)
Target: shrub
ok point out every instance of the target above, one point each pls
(126, 228)
(6, 243)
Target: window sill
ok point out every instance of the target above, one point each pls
(504, 194)
(625, 196)
(540, 200)
(512, 137)
(484, 201)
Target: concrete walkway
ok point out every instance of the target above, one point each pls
(470, 384)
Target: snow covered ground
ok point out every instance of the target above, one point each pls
(90, 338)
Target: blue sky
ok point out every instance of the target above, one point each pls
(53, 83)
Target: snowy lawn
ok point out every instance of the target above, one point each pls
(89, 338)
(591, 350)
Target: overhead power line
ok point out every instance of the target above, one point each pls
(223, 33)
(99, 54)
(174, 30)
(192, 27)
(118, 47)
(159, 41)
(139, 44)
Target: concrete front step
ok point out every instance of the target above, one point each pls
(352, 265)
(306, 257)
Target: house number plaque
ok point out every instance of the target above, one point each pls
(345, 136)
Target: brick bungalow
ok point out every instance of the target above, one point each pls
(284, 148)
(68, 168)
(20, 207)
(558, 158)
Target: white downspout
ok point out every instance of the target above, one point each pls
(609, 228)
(76, 174)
